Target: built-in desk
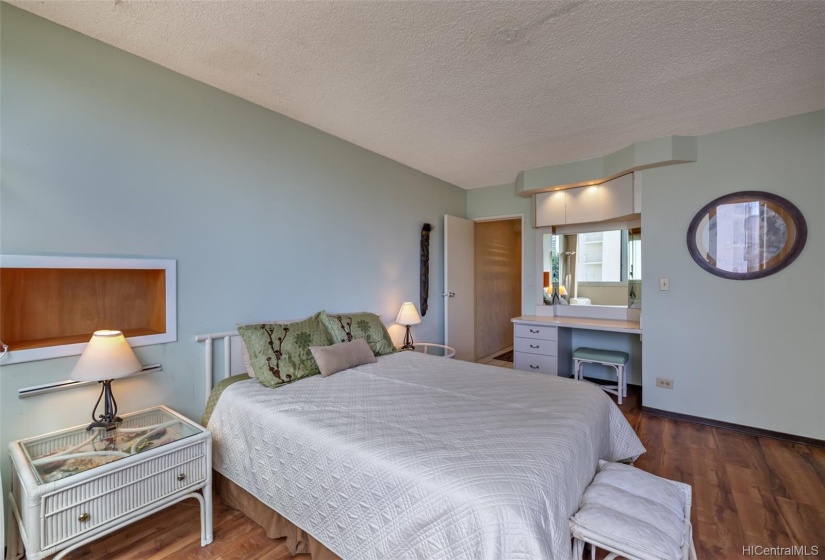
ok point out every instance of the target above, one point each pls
(544, 344)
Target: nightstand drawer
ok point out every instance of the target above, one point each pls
(85, 506)
(535, 362)
(535, 346)
(536, 331)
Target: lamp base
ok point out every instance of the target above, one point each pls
(408, 340)
(107, 425)
(109, 419)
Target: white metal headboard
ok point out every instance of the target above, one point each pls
(232, 358)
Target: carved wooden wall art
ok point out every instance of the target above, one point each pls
(425, 267)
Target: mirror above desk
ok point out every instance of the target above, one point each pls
(591, 268)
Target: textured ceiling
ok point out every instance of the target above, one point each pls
(473, 92)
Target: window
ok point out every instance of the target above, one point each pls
(601, 256)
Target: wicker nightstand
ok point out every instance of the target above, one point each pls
(71, 487)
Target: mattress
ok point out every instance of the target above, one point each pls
(418, 456)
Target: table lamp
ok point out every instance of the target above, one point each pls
(107, 356)
(408, 315)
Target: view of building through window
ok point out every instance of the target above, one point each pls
(599, 256)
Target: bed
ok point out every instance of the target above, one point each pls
(418, 456)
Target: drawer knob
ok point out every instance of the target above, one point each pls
(534, 367)
(181, 476)
(534, 332)
(534, 346)
(83, 517)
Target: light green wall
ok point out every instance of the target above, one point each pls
(748, 352)
(106, 154)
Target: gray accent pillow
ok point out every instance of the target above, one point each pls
(343, 355)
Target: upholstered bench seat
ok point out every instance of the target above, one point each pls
(601, 356)
(634, 514)
(612, 358)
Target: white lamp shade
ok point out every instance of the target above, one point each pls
(107, 356)
(408, 315)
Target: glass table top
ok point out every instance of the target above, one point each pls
(62, 454)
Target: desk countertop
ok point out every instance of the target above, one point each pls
(632, 327)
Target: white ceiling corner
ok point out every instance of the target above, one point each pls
(472, 92)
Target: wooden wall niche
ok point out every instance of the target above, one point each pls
(50, 306)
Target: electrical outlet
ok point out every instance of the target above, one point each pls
(664, 383)
(664, 284)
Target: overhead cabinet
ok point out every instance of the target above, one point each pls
(598, 203)
(551, 208)
(582, 205)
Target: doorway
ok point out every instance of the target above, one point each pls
(497, 284)
(483, 282)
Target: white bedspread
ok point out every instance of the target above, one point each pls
(422, 457)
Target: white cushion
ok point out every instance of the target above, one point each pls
(635, 510)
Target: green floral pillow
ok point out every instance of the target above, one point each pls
(279, 352)
(346, 327)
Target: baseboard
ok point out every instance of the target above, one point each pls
(749, 430)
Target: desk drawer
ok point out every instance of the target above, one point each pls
(536, 331)
(535, 362)
(535, 346)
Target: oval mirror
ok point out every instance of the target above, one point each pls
(747, 235)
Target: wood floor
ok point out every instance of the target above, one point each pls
(747, 491)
